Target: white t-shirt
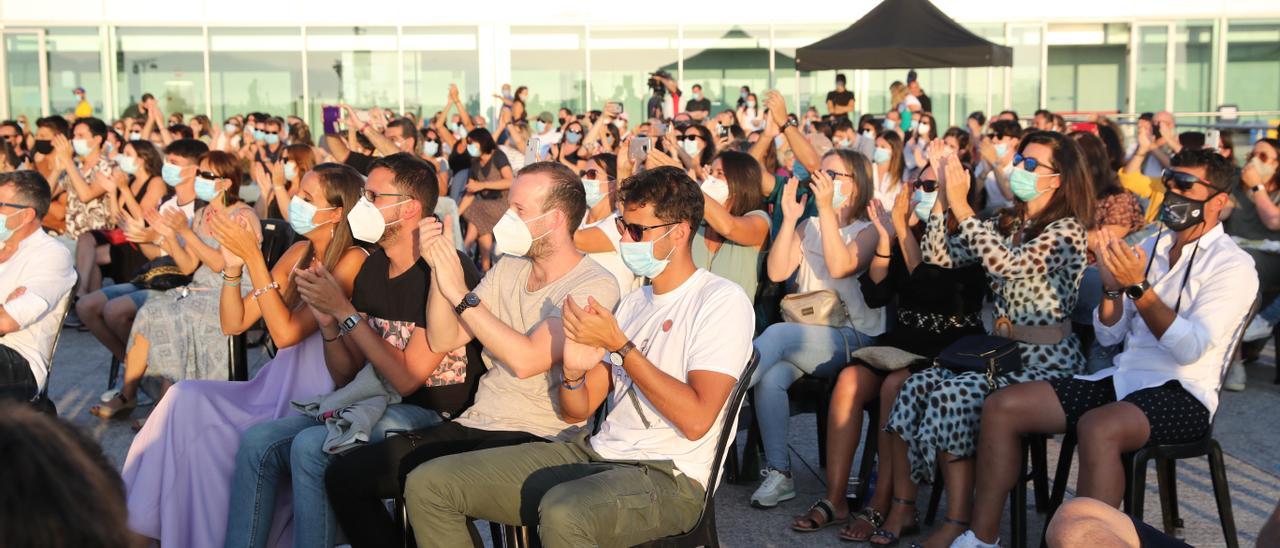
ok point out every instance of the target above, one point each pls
(995, 198)
(612, 260)
(706, 324)
(44, 267)
(887, 191)
(172, 203)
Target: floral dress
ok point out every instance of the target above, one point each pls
(1034, 283)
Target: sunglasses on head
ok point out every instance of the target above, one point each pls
(1183, 181)
(925, 185)
(1029, 163)
(637, 231)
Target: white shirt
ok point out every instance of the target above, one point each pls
(706, 324)
(189, 208)
(995, 197)
(887, 191)
(812, 275)
(612, 260)
(44, 267)
(1193, 350)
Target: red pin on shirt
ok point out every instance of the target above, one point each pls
(666, 326)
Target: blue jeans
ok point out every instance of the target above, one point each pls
(787, 352)
(291, 447)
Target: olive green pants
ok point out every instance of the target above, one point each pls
(572, 495)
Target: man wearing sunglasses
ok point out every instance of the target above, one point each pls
(36, 274)
(1176, 301)
(664, 366)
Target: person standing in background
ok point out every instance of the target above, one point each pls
(83, 108)
(840, 101)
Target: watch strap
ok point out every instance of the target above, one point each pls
(626, 349)
(470, 300)
(348, 323)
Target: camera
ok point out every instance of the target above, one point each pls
(656, 86)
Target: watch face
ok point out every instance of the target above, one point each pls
(1135, 292)
(471, 300)
(615, 358)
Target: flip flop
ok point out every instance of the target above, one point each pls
(828, 513)
(102, 412)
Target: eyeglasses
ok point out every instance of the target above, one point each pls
(373, 196)
(1183, 181)
(637, 231)
(1030, 164)
(13, 205)
(926, 185)
(833, 173)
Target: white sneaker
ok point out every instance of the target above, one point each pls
(776, 487)
(1258, 329)
(1235, 377)
(970, 540)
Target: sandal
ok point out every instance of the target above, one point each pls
(891, 538)
(867, 514)
(106, 413)
(825, 511)
(963, 524)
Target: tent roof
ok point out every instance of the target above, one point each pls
(903, 34)
(728, 58)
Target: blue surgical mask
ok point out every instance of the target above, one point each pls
(742, 95)
(230, 128)
(887, 124)
(594, 194)
(540, 126)
(474, 150)
(5, 231)
(272, 139)
(869, 134)
(779, 140)
(880, 156)
(81, 146)
(302, 215)
(844, 143)
(1001, 150)
(751, 103)
(924, 203)
(127, 164)
(690, 147)
(290, 170)
(639, 258)
(573, 137)
(1023, 183)
(799, 170)
(430, 148)
(259, 134)
(171, 173)
(135, 136)
(837, 197)
(206, 189)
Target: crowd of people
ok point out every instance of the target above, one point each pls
(539, 319)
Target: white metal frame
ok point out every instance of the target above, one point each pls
(42, 63)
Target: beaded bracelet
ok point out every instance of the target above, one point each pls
(258, 292)
(572, 384)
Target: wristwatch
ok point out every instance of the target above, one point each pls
(348, 323)
(1257, 188)
(470, 300)
(1135, 292)
(791, 123)
(620, 354)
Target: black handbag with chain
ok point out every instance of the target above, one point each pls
(987, 354)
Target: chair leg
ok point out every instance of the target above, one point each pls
(1136, 485)
(114, 374)
(820, 414)
(1060, 478)
(935, 496)
(1222, 492)
(495, 534)
(1018, 501)
(1040, 471)
(751, 450)
(869, 449)
(1166, 482)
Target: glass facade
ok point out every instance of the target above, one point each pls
(1185, 66)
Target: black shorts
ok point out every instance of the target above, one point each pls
(1174, 414)
(1150, 537)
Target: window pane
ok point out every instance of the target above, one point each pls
(1253, 65)
(974, 84)
(22, 59)
(725, 59)
(551, 61)
(1088, 67)
(1152, 67)
(1026, 69)
(1193, 76)
(435, 57)
(621, 61)
(356, 65)
(73, 63)
(813, 86)
(255, 70)
(167, 63)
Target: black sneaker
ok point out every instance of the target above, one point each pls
(72, 320)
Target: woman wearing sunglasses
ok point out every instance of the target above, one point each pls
(1034, 256)
(935, 306)
(177, 334)
(826, 252)
(598, 235)
(1253, 215)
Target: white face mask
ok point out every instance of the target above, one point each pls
(716, 189)
(512, 235)
(367, 224)
(1264, 170)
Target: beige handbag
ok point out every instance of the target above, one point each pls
(886, 358)
(822, 307)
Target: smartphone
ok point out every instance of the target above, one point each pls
(806, 187)
(1212, 139)
(331, 116)
(639, 147)
(613, 108)
(531, 150)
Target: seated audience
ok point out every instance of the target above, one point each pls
(598, 234)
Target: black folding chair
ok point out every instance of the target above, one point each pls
(1166, 457)
(41, 401)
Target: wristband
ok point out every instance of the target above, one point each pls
(328, 340)
(259, 292)
(883, 256)
(572, 384)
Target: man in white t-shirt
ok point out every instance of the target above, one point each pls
(36, 275)
(664, 369)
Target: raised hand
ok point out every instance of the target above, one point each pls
(777, 108)
(792, 208)
(957, 186)
(883, 222)
(824, 189)
(592, 325)
(902, 210)
(235, 237)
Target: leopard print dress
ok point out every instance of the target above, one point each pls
(1034, 283)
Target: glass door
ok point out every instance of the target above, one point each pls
(1151, 89)
(25, 87)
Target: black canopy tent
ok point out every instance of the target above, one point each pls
(902, 34)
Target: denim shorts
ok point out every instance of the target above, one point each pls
(135, 293)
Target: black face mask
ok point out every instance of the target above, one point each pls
(44, 146)
(1179, 212)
